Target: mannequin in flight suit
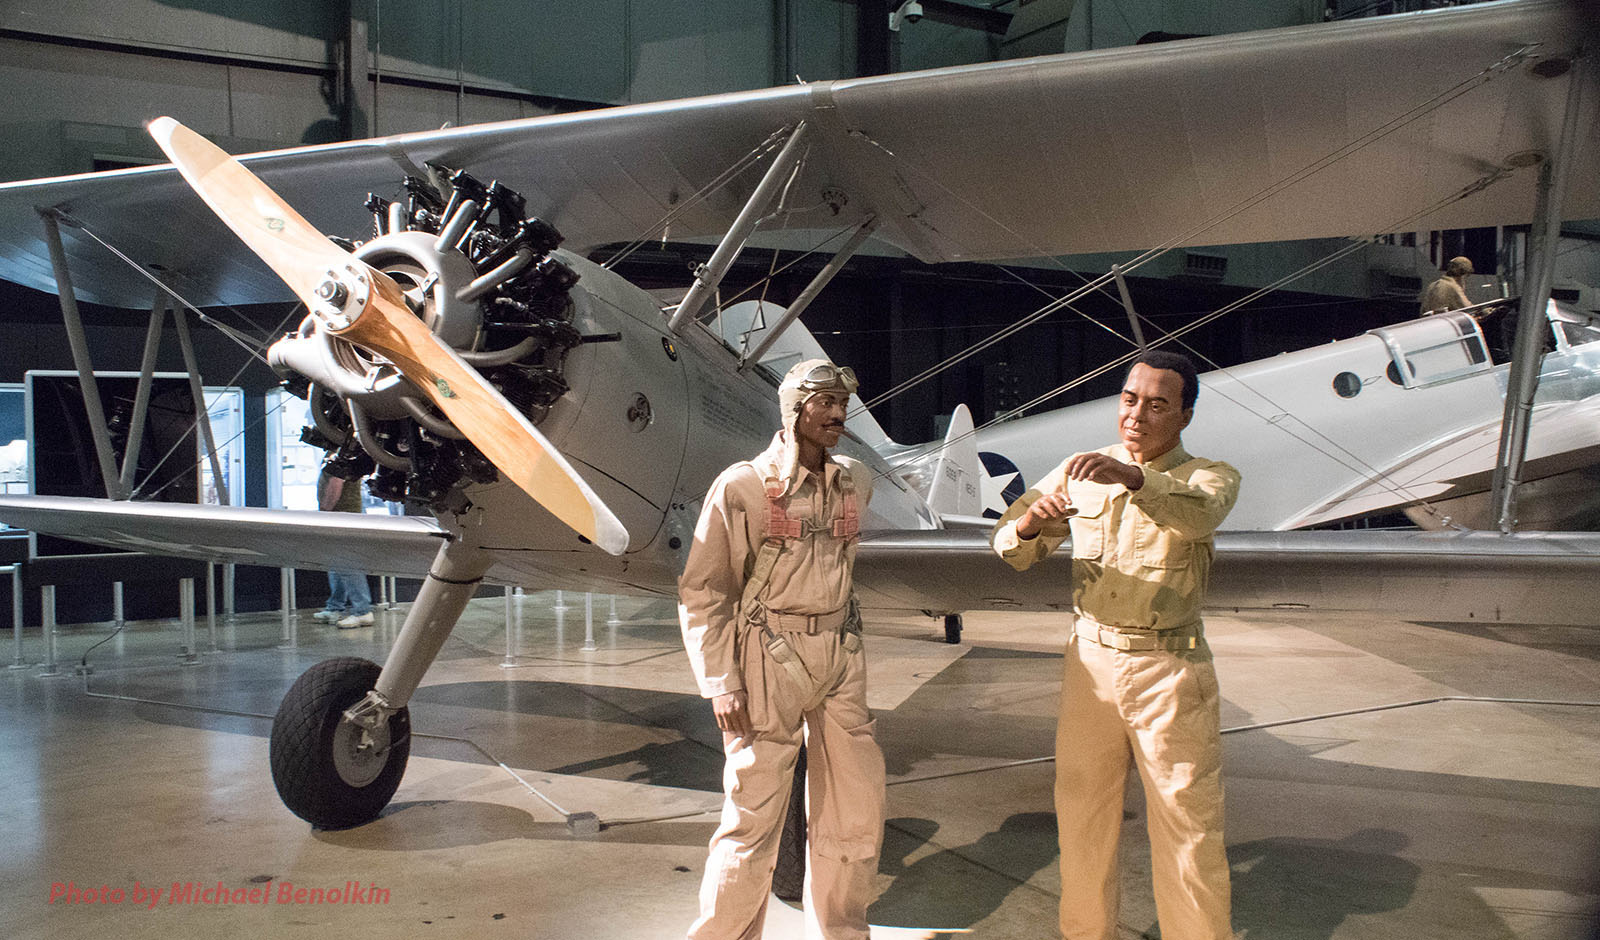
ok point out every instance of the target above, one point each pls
(770, 624)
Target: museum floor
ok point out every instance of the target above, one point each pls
(1449, 819)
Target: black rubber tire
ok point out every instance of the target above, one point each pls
(789, 875)
(303, 767)
(952, 628)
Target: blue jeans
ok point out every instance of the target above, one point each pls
(349, 592)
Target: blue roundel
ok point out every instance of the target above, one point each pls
(1002, 486)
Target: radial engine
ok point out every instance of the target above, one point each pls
(479, 272)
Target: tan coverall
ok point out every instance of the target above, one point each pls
(1140, 562)
(1444, 294)
(844, 769)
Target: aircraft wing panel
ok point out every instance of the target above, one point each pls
(1534, 577)
(387, 545)
(1105, 150)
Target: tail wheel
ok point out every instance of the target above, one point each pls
(329, 771)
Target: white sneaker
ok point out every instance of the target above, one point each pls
(328, 616)
(356, 620)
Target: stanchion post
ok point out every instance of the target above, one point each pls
(228, 611)
(116, 603)
(510, 661)
(211, 602)
(588, 623)
(613, 619)
(16, 614)
(186, 653)
(561, 603)
(47, 612)
(286, 592)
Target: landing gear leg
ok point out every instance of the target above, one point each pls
(952, 628)
(342, 735)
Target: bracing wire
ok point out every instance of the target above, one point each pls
(1190, 235)
(1350, 460)
(1098, 284)
(249, 344)
(664, 225)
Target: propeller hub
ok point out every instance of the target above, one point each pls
(341, 296)
(332, 292)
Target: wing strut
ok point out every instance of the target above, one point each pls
(710, 273)
(1527, 350)
(80, 359)
(833, 267)
(1127, 304)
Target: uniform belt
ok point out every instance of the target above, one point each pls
(781, 622)
(1135, 640)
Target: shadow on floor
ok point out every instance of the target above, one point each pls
(1303, 889)
(423, 825)
(955, 888)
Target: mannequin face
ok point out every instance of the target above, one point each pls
(821, 420)
(1151, 416)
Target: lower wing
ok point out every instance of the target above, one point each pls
(1527, 577)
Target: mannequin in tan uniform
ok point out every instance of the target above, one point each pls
(1447, 293)
(769, 622)
(1138, 680)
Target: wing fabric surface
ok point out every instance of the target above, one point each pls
(387, 545)
(1531, 577)
(1106, 150)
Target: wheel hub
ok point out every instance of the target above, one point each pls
(359, 753)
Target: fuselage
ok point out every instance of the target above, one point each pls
(1403, 417)
(649, 420)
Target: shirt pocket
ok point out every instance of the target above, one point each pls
(1157, 547)
(1089, 525)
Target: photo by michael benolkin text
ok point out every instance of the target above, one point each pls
(182, 893)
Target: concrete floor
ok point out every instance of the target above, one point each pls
(1458, 819)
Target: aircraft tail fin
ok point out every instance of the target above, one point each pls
(956, 490)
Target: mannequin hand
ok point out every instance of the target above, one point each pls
(1099, 468)
(1056, 507)
(733, 714)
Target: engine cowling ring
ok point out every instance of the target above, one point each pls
(430, 279)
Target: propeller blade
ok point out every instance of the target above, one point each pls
(315, 268)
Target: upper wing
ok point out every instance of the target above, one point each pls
(1105, 150)
(1529, 577)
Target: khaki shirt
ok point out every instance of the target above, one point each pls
(811, 576)
(1444, 294)
(1140, 558)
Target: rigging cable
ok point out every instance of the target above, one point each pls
(1188, 236)
(244, 341)
(664, 225)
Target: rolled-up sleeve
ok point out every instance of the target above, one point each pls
(1195, 507)
(1021, 553)
(709, 593)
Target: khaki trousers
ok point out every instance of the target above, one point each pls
(844, 797)
(1160, 708)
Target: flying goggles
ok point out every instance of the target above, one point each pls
(828, 377)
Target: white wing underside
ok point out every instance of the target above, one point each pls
(1106, 150)
(1529, 578)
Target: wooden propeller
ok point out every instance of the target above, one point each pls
(365, 306)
